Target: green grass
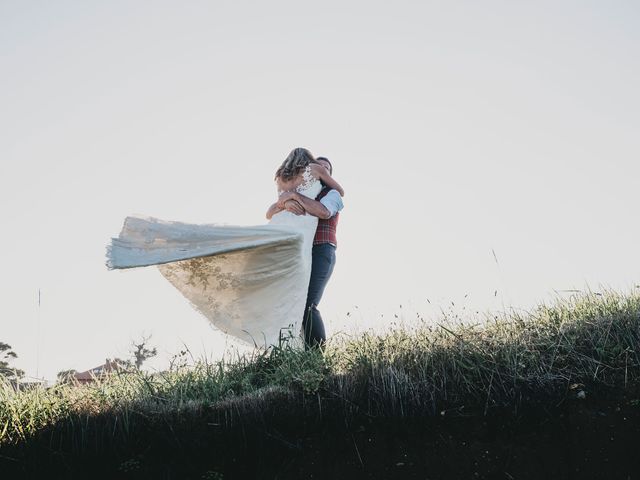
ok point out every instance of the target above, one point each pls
(588, 343)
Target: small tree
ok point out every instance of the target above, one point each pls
(7, 354)
(66, 375)
(142, 351)
(122, 364)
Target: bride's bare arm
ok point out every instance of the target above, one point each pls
(291, 205)
(321, 173)
(273, 209)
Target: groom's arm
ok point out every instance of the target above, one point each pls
(312, 207)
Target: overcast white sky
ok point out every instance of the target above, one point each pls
(457, 128)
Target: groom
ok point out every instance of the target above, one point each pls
(326, 207)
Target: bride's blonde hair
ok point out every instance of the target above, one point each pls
(296, 162)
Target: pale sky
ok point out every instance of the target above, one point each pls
(456, 128)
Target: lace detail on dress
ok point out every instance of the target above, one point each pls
(207, 283)
(198, 272)
(308, 180)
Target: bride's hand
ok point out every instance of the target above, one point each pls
(285, 197)
(294, 207)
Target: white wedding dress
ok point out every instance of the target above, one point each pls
(249, 282)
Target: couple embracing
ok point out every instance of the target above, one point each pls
(260, 284)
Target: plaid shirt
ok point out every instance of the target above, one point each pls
(326, 232)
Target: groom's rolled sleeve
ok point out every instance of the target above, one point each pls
(332, 202)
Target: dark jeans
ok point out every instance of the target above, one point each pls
(324, 258)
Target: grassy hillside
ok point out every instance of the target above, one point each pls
(361, 409)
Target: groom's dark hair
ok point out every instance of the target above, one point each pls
(326, 160)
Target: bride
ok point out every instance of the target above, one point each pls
(249, 282)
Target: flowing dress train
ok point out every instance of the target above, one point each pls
(249, 282)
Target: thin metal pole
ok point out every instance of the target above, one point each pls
(38, 337)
